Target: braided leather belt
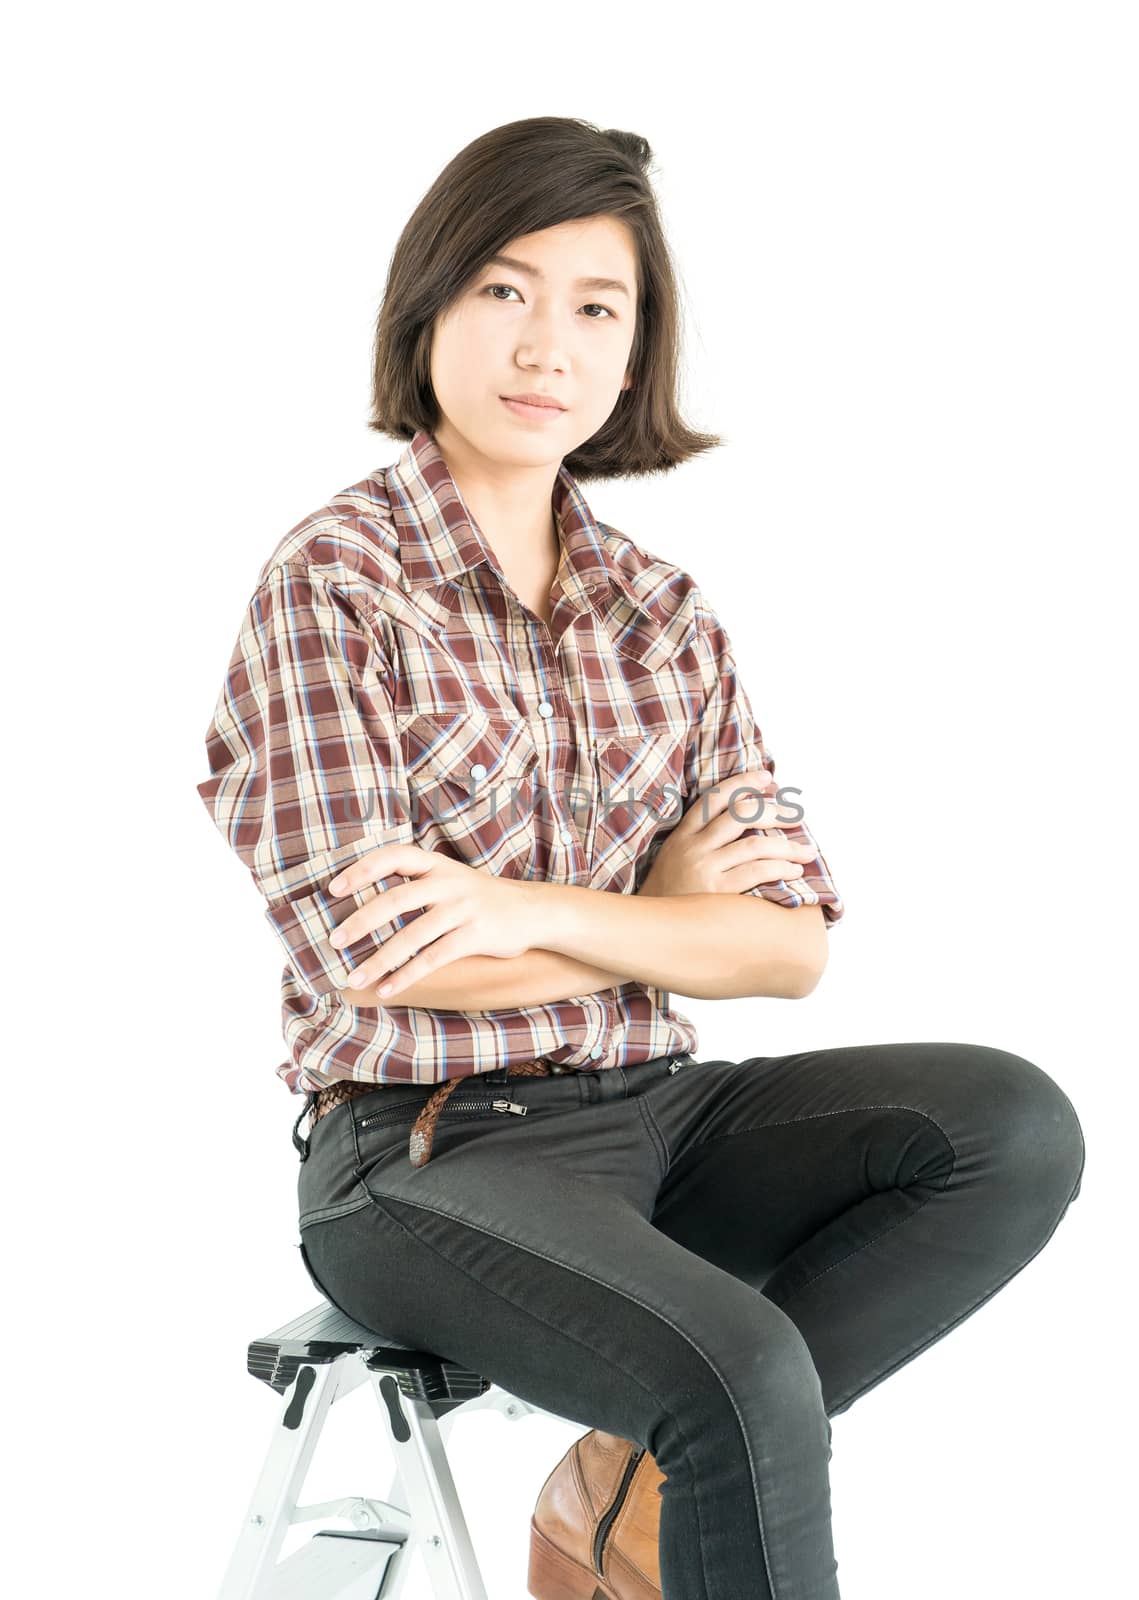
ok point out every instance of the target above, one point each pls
(423, 1129)
(335, 1094)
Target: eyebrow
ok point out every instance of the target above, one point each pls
(536, 272)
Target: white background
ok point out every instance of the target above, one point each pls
(907, 240)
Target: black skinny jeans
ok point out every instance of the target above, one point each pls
(710, 1258)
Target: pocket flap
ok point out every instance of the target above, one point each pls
(453, 747)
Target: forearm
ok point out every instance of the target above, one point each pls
(706, 946)
(483, 983)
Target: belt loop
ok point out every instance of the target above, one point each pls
(303, 1144)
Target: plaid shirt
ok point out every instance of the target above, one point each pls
(387, 686)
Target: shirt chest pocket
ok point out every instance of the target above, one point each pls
(640, 798)
(472, 782)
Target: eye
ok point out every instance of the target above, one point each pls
(509, 287)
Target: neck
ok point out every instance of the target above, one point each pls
(512, 503)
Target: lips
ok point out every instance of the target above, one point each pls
(539, 416)
(547, 402)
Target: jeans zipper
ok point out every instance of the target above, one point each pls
(394, 1112)
(610, 1516)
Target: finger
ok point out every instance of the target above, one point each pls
(754, 873)
(751, 778)
(772, 868)
(775, 842)
(777, 851)
(743, 799)
(763, 833)
(440, 954)
(400, 947)
(384, 907)
(744, 810)
(409, 859)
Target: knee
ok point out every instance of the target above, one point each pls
(746, 1372)
(1033, 1120)
(751, 1365)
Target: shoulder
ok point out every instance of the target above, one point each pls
(665, 589)
(349, 544)
(673, 596)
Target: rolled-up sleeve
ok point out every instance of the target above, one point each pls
(727, 742)
(306, 768)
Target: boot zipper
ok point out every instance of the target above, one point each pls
(610, 1516)
(393, 1113)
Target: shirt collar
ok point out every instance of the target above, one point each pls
(439, 540)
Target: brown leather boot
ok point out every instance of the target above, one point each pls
(595, 1530)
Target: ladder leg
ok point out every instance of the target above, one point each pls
(427, 1489)
(296, 1431)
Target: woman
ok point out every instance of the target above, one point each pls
(475, 748)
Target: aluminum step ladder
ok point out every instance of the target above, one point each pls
(312, 1362)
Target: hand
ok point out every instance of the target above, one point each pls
(472, 913)
(722, 855)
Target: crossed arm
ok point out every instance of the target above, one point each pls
(302, 628)
(706, 946)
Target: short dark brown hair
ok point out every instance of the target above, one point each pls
(517, 179)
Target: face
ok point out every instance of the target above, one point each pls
(546, 330)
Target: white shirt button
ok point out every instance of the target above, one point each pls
(567, 836)
(598, 1050)
(545, 709)
(478, 770)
